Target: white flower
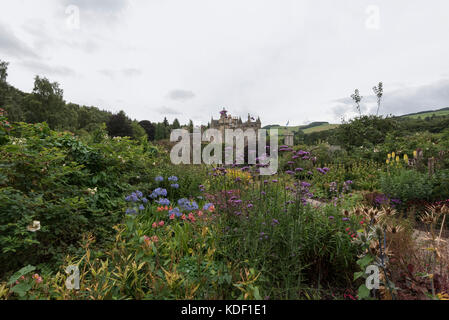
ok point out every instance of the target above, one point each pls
(35, 226)
(92, 191)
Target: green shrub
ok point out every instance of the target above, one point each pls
(406, 185)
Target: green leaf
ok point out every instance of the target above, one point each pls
(358, 275)
(365, 261)
(21, 288)
(21, 272)
(363, 292)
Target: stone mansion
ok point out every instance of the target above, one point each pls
(227, 121)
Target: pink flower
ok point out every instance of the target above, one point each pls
(154, 225)
(200, 213)
(161, 223)
(183, 217)
(172, 216)
(155, 239)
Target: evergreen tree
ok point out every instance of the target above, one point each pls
(176, 124)
(149, 129)
(119, 125)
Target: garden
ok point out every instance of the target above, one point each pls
(135, 226)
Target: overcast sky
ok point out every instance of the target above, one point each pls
(288, 60)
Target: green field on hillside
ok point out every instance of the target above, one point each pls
(443, 112)
(323, 127)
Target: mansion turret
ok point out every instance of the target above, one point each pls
(226, 121)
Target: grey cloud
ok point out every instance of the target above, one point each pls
(167, 111)
(107, 73)
(181, 95)
(415, 99)
(403, 101)
(131, 72)
(12, 46)
(98, 6)
(128, 72)
(42, 68)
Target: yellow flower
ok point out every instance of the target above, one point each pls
(393, 155)
(397, 159)
(388, 161)
(389, 156)
(406, 158)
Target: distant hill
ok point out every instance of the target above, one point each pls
(312, 127)
(429, 113)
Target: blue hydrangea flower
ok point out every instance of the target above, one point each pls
(174, 185)
(173, 179)
(130, 211)
(159, 192)
(159, 179)
(175, 211)
(164, 202)
(187, 205)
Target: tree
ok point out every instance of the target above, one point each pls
(176, 124)
(149, 129)
(159, 133)
(366, 131)
(119, 125)
(3, 71)
(138, 132)
(357, 99)
(3, 84)
(378, 91)
(46, 103)
(190, 126)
